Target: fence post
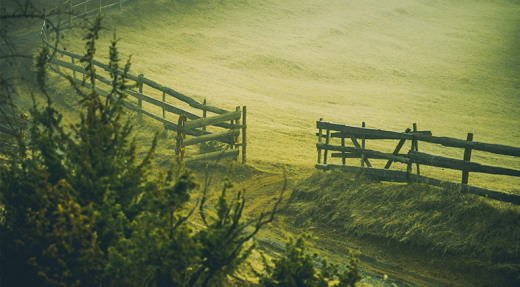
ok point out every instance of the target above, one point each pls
(204, 113)
(164, 116)
(140, 101)
(467, 157)
(232, 146)
(343, 159)
(100, 6)
(120, 5)
(326, 153)
(415, 147)
(237, 123)
(244, 138)
(86, 10)
(363, 146)
(179, 146)
(164, 101)
(319, 142)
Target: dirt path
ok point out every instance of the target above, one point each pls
(402, 266)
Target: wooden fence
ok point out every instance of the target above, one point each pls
(69, 11)
(194, 122)
(333, 139)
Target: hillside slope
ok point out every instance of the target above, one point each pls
(450, 66)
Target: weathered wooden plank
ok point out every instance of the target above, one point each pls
(357, 145)
(198, 123)
(225, 137)
(397, 149)
(193, 103)
(401, 176)
(320, 136)
(244, 134)
(182, 97)
(445, 141)
(369, 153)
(343, 154)
(451, 142)
(326, 151)
(363, 141)
(150, 100)
(457, 164)
(218, 155)
(166, 106)
(415, 147)
(375, 137)
(69, 66)
(60, 51)
(167, 124)
(104, 80)
(171, 108)
(76, 68)
(169, 91)
(130, 76)
(358, 132)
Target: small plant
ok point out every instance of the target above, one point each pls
(296, 268)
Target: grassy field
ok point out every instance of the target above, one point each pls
(452, 67)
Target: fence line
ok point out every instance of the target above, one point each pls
(84, 8)
(202, 128)
(329, 131)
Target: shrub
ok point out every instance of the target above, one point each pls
(79, 208)
(296, 268)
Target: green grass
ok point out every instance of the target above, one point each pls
(444, 222)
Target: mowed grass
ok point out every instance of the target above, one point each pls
(450, 66)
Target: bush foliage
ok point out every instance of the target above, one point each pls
(79, 207)
(296, 268)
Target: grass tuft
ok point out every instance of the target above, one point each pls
(439, 220)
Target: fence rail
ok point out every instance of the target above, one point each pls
(327, 149)
(162, 104)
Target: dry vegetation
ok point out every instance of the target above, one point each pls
(481, 233)
(450, 66)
